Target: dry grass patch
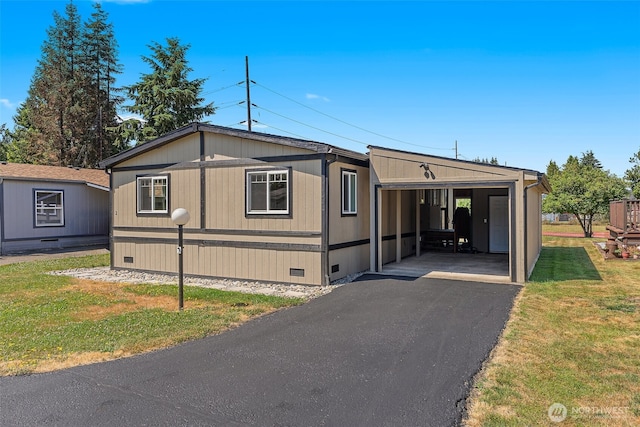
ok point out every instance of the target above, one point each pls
(117, 299)
(53, 322)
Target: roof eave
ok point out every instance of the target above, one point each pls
(317, 147)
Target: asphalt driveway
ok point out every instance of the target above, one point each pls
(380, 351)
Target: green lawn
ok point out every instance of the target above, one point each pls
(573, 338)
(565, 227)
(50, 322)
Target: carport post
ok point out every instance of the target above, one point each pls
(418, 199)
(398, 225)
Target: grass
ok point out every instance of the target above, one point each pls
(573, 338)
(571, 227)
(51, 322)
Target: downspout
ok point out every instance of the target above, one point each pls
(535, 184)
(326, 215)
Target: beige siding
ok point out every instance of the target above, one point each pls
(404, 168)
(186, 149)
(241, 263)
(534, 228)
(351, 228)
(230, 243)
(184, 192)
(226, 199)
(225, 147)
(349, 260)
(250, 236)
(389, 222)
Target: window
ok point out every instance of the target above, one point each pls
(152, 194)
(349, 192)
(49, 208)
(268, 192)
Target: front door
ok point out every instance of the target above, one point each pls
(499, 224)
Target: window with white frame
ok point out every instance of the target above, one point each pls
(152, 194)
(349, 192)
(268, 192)
(49, 208)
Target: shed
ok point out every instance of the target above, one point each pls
(51, 207)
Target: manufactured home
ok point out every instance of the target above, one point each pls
(278, 209)
(51, 207)
(262, 207)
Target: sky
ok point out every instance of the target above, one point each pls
(524, 82)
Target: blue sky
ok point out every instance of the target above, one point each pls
(525, 82)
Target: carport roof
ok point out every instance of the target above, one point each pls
(533, 174)
(530, 171)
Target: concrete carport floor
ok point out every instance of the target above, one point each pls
(379, 351)
(476, 267)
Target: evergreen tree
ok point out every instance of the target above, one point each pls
(22, 149)
(55, 97)
(100, 60)
(492, 161)
(552, 170)
(633, 174)
(165, 98)
(589, 159)
(5, 141)
(69, 107)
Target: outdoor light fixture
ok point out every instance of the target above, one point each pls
(428, 173)
(180, 217)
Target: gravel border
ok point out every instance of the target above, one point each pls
(105, 274)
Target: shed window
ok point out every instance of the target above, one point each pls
(49, 208)
(152, 194)
(268, 192)
(349, 192)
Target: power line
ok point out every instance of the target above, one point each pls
(221, 89)
(347, 123)
(229, 104)
(312, 127)
(281, 130)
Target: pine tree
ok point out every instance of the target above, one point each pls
(5, 141)
(70, 106)
(100, 61)
(165, 98)
(633, 174)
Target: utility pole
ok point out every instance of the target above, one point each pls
(456, 148)
(248, 95)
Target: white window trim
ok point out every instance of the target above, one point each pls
(349, 210)
(139, 194)
(268, 211)
(40, 209)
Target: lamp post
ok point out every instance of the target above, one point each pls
(180, 217)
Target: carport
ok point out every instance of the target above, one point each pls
(415, 204)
